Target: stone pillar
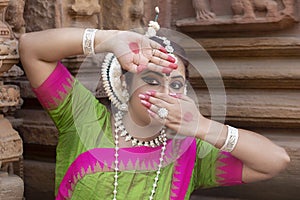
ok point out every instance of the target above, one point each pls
(11, 148)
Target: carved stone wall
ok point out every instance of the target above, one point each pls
(257, 56)
(40, 15)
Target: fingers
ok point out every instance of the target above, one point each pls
(170, 98)
(158, 62)
(162, 55)
(158, 68)
(157, 46)
(164, 62)
(140, 53)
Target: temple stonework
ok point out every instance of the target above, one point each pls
(254, 43)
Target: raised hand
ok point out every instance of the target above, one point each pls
(176, 111)
(136, 52)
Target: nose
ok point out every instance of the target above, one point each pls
(166, 88)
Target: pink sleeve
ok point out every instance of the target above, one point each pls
(229, 170)
(55, 88)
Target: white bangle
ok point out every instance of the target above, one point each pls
(231, 140)
(88, 41)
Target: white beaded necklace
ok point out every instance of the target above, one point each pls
(119, 117)
(135, 142)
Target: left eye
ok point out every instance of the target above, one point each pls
(150, 81)
(176, 85)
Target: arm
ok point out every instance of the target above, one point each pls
(40, 51)
(261, 158)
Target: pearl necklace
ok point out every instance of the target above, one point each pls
(119, 117)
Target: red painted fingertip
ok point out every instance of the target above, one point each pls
(175, 95)
(173, 66)
(141, 68)
(162, 49)
(151, 92)
(171, 59)
(146, 104)
(144, 96)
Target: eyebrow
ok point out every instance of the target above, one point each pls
(153, 72)
(161, 75)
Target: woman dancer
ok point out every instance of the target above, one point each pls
(126, 152)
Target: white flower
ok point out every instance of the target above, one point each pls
(154, 25)
(169, 49)
(157, 9)
(151, 32)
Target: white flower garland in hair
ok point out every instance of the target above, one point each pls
(111, 74)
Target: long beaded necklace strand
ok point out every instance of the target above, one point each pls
(118, 118)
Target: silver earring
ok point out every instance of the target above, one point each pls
(113, 86)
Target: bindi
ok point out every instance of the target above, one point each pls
(134, 47)
(188, 117)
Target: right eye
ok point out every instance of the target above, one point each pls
(151, 81)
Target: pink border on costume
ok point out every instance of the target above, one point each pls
(183, 171)
(55, 87)
(232, 170)
(102, 159)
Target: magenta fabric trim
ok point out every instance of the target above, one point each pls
(183, 170)
(141, 158)
(53, 90)
(230, 170)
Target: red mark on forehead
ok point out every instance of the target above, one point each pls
(188, 117)
(134, 47)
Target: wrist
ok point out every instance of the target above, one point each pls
(103, 42)
(212, 132)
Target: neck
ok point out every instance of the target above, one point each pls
(141, 132)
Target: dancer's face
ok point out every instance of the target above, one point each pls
(153, 81)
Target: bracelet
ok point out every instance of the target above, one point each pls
(88, 41)
(231, 140)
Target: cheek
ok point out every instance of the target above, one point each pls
(135, 101)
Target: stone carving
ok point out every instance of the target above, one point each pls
(10, 142)
(15, 71)
(8, 47)
(11, 148)
(14, 16)
(246, 8)
(8, 44)
(12, 186)
(9, 97)
(255, 13)
(202, 8)
(289, 7)
(4, 29)
(83, 13)
(136, 10)
(128, 14)
(85, 7)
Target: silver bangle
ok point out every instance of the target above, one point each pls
(88, 41)
(231, 140)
